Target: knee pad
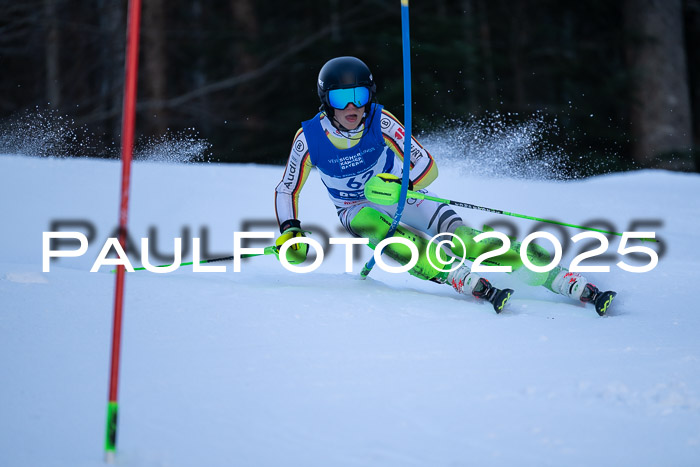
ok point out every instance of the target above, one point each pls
(473, 250)
(374, 225)
(537, 255)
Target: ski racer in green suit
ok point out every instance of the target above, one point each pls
(352, 140)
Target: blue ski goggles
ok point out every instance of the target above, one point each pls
(340, 98)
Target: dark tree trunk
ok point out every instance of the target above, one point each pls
(692, 13)
(246, 96)
(660, 107)
(517, 46)
(469, 73)
(53, 56)
(155, 65)
(487, 54)
(111, 63)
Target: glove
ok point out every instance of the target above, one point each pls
(296, 254)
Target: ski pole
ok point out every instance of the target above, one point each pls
(269, 250)
(382, 192)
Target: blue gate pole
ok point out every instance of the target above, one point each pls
(406, 43)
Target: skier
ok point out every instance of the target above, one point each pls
(354, 139)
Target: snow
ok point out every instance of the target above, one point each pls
(266, 368)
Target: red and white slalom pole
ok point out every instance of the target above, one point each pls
(127, 146)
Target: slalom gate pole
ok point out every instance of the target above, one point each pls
(416, 195)
(406, 45)
(269, 250)
(127, 146)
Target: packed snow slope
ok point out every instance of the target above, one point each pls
(265, 367)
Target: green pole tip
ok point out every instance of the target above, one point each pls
(111, 429)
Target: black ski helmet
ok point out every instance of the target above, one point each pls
(341, 73)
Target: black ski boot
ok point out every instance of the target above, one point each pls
(464, 281)
(601, 300)
(497, 297)
(574, 285)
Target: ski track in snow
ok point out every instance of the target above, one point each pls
(268, 368)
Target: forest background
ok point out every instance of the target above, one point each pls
(618, 82)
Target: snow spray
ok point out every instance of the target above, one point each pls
(495, 146)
